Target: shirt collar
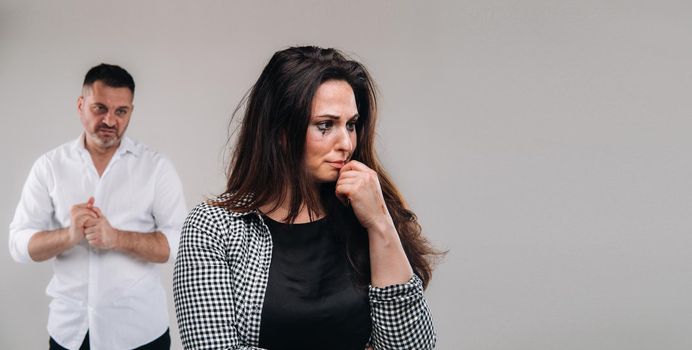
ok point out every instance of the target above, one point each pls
(126, 145)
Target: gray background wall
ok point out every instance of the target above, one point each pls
(544, 143)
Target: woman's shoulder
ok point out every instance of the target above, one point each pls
(215, 212)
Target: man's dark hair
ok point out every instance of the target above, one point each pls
(111, 75)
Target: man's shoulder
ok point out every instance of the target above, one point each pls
(58, 154)
(140, 148)
(146, 153)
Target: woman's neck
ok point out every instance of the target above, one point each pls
(280, 212)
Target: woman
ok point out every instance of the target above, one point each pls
(311, 246)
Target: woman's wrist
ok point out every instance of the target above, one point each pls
(382, 229)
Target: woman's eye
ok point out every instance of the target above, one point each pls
(324, 126)
(351, 126)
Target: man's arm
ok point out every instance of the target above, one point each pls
(34, 235)
(44, 245)
(168, 210)
(152, 246)
(148, 246)
(47, 244)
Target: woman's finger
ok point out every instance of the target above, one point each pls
(355, 165)
(347, 181)
(343, 199)
(350, 173)
(343, 191)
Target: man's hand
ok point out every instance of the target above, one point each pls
(99, 232)
(79, 214)
(44, 245)
(149, 246)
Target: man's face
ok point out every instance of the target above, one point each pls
(105, 112)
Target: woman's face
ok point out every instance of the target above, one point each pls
(331, 136)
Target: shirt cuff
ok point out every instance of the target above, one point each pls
(19, 245)
(396, 291)
(173, 238)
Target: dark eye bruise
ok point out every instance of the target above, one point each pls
(322, 127)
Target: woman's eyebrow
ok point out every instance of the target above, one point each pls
(332, 116)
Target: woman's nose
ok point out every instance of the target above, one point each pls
(344, 140)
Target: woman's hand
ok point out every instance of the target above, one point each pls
(359, 187)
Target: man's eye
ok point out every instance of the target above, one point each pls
(99, 109)
(121, 112)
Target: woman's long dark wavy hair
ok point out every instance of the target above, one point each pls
(267, 162)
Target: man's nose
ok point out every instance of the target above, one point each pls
(109, 119)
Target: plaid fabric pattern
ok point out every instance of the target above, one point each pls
(401, 317)
(220, 278)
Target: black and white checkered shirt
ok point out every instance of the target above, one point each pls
(221, 274)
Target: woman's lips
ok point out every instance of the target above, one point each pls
(338, 164)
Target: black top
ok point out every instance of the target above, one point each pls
(311, 301)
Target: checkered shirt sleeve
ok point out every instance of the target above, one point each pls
(401, 317)
(219, 280)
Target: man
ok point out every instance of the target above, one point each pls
(106, 209)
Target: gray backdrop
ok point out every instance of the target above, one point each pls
(544, 143)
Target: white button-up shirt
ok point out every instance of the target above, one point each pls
(118, 298)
